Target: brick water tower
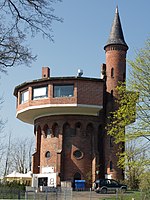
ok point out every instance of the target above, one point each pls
(69, 115)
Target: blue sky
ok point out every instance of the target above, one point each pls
(79, 43)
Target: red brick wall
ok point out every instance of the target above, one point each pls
(65, 144)
(115, 58)
(85, 92)
(90, 92)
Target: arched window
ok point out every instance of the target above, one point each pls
(89, 129)
(78, 125)
(124, 76)
(104, 69)
(111, 141)
(38, 138)
(77, 128)
(46, 131)
(66, 129)
(112, 93)
(35, 129)
(100, 140)
(55, 130)
(111, 166)
(112, 72)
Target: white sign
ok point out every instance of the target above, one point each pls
(47, 170)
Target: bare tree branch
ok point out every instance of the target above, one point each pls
(19, 19)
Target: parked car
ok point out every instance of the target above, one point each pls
(106, 185)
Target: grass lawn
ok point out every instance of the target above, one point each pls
(129, 195)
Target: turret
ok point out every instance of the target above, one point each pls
(115, 50)
(115, 72)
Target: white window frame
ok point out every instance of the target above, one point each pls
(40, 92)
(24, 96)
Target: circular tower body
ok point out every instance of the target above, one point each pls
(65, 112)
(115, 72)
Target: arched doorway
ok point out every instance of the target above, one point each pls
(77, 176)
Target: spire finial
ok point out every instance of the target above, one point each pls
(117, 9)
(116, 34)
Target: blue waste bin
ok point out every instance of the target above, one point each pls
(80, 185)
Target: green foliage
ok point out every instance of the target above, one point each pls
(136, 195)
(134, 161)
(139, 81)
(124, 115)
(145, 182)
(133, 105)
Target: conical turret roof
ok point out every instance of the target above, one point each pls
(116, 34)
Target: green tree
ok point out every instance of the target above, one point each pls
(124, 115)
(134, 103)
(139, 81)
(145, 181)
(135, 161)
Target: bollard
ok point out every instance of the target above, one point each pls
(18, 194)
(46, 193)
(116, 194)
(26, 195)
(90, 196)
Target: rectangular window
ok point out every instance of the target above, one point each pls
(63, 90)
(24, 96)
(41, 92)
